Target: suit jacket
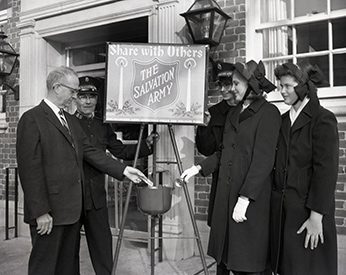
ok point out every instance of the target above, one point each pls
(50, 165)
(102, 136)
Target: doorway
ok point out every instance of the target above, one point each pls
(85, 52)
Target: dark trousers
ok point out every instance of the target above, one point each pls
(99, 239)
(56, 253)
(221, 269)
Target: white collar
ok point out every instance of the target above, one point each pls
(54, 108)
(294, 114)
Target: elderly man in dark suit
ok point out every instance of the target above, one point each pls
(101, 135)
(51, 147)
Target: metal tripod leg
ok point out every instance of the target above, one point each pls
(188, 200)
(122, 226)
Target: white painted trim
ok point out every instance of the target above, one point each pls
(302, 20)
(62, 7)
(252, 38)
(5, 15)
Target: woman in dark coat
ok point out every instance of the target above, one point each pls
(239, 235)
(209, 138)
(303, 237)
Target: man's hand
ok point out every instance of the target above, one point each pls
(44, 224)
(190, 172)
(314, 230)
(240, 208)
(133, 174)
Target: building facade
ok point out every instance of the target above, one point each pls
(51, 33)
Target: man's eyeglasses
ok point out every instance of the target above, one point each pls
(85, 97)
(73, 90)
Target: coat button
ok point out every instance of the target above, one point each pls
(230, 163)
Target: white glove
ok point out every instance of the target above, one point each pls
(240, 208)
(190, 172)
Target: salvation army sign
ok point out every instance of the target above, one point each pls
(156, 92)
(156, 83)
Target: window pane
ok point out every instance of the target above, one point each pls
(312, 37)
(338, 4)
(339, 69)
(307, 7)
(4, 5)
(271, 65)
(339, 37)
(275, 10)
(277, 42)
(321, 62)
(88, 55)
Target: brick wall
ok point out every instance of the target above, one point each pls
(8, 138)
(340, 193)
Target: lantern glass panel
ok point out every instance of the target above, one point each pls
(6, 63)
(200, 26)
(8, 58)
(219, 24)
(4, 46)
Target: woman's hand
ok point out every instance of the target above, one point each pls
(314, 230)
(190, 172)
(240, 208)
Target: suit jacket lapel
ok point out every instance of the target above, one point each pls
(55, 121)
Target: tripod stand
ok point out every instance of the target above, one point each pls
(187, 197)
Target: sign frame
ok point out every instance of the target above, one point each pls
(162, 87)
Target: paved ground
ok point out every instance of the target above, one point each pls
(133, 259)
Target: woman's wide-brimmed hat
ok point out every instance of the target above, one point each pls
(255, 75)
(308, 78)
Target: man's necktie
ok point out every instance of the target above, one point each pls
(63, 121)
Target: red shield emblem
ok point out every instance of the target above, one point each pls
(155, 84)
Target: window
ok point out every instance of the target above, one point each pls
(4, 6)
(304, 31)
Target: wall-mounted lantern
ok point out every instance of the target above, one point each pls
(8, 59)
(206, 22)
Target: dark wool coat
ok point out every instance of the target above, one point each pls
(101, 135)
(208, 141)
(50, 165)
(245, 163)
(305, 176)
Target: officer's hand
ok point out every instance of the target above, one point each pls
(153, 137)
